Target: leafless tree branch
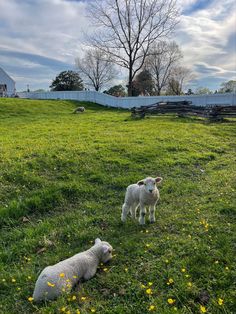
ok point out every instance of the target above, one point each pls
(126, 29)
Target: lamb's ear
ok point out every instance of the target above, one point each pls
(158, 179)
(141, 182)
(97, 241)
(105, 249)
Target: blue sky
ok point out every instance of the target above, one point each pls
(41, 38)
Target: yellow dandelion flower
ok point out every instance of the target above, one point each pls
(146, 231)
(62, 275)
(170, 281)
(105, 269)
(3, 280)
(68, 312)
(73, 298)
(50, 284)
(189, 284)
(143, 286)
(67, 280)
(63, 309)
(63, 289)
(220, 301)
(171, 301)
(78, 312)
(216, 262)
(13, 280)
(30, 299)
(68, 285)
(166, 261)
(126, 269)
(83, 298)
(183, 270)
(187, 276)
(149, 291)
(150, 284)
(29, 277)
(93, 310)
(148, 245)
(18, 289)
(226, 268)
(203, 309)
(75, 277)
(151, 308)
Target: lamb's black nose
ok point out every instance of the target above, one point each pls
(150, 191)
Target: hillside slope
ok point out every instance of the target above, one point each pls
(63, 180)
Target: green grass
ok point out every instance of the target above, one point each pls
(62, 184)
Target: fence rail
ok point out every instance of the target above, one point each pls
(129, 102)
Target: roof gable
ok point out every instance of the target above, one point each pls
(2, 72)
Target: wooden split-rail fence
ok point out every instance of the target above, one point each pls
(185, 108)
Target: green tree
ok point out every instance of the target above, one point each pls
(190, 92)
(67, 80)
(117, 90)
(228, 87)
(203, 91)
(143, 84)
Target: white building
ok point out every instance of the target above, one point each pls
(7, 84)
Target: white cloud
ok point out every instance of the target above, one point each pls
(204, 38)
(50, 28)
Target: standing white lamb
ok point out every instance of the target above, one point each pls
(145, 194)
(61, 277)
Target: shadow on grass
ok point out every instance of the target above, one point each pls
(188, 119)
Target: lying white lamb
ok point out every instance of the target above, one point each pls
(61, 277)
(144, 193)
(79, 109)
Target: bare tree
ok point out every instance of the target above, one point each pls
(163, 57)
(126, 29)
(179, 77)
(96, 69)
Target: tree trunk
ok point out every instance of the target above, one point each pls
(130, 83)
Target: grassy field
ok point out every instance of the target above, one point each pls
(62, 184)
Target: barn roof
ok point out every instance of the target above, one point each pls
(5, 73)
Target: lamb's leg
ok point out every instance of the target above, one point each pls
(125, 210)
(133, 211)
(152, 214)
(142, 214)
(90, 273)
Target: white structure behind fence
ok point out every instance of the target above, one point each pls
(129, 102)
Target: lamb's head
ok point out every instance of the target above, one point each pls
(150, 183)
(106, 249)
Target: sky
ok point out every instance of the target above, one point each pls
(41, 38)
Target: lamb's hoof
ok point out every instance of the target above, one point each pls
(152, 221)
(123, 219)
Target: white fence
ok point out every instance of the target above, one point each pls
(129, 102)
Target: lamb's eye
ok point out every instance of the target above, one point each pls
(109, 251)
